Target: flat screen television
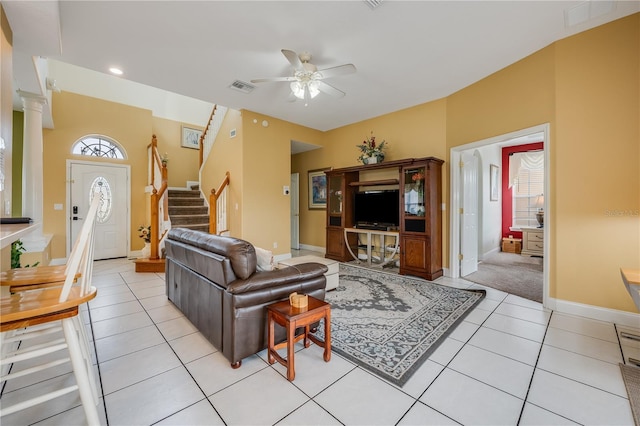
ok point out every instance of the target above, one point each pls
(377, 208)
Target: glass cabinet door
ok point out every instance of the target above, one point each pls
(414, 182)
(335, 195)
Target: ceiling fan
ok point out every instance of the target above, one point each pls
(307, 80)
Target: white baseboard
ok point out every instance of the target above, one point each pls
(490, 252)
(312, 248)
(280, 257)
(629, 319)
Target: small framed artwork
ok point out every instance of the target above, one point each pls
(494, 179)
(317, 189)
(190, 137)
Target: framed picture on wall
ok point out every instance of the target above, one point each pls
(494, 179)
(190, 137)
(317, 189)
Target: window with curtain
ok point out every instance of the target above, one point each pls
(526, 180)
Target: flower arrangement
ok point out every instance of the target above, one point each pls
(164, 159)
(145, 233)
(369, 149)
(418, 177)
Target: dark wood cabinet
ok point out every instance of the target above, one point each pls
(340, 195)
(420, 184)
(421, 218)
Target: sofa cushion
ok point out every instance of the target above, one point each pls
(240, 253)
(265, 259)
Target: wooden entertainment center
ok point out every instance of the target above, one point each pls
(419, 181)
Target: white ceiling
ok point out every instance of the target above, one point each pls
(406, 52)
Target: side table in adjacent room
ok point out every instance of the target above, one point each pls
(291, 318)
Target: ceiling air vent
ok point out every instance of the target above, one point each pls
(242, 86)
(373, 3)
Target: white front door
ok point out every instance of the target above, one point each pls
(111, 183)
(469, 215)
(294, 192)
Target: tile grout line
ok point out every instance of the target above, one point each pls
(447, 365)
(178, 357)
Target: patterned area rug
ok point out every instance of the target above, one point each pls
(631, 377)
(390, 324)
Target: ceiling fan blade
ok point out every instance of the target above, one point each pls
(264, 80)
(293, 59)
(339, 70)
(329, 89)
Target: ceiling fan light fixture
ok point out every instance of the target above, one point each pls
(313, 89)
(304, 89)
(297, 89)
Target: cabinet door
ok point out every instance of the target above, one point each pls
(335, 244)
(413, 199)
(413, 253)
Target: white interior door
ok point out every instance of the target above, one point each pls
(110, 182)
(469, 216)
(294, 192)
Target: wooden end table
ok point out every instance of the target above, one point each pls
(291, 318)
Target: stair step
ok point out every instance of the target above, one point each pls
(184, 193)
(185, 201)
(203, 228)
(180, 220)
(184, 210)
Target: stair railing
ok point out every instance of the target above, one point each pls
(160, 223)
(218, 214)
(211, 131)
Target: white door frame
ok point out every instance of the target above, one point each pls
(294, 194)
(454, 237)
(127, 188)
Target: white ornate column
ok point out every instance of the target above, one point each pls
(32, 165)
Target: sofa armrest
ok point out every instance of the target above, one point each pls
(279, 277)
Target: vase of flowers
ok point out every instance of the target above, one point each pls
(144, 232)
(371, 152)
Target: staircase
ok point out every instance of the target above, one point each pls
(188, 210)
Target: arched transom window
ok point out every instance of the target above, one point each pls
(98, 146)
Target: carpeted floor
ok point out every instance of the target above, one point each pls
(631, 377)
(512, 273)
(389, 324)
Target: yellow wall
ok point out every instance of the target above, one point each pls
(76, 116)
(413, 132)
(597, 163)
(266, 170)
(226, 156)
(169, 134)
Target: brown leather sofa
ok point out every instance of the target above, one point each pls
(214, 282)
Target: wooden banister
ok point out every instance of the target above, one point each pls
(157, 197)
(213, 205)
(204, 134)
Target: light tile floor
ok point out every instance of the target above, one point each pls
(510, 362)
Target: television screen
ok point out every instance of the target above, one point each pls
(377, 207)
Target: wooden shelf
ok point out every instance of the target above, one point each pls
(375, 182)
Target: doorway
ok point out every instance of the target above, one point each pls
(457, 200)
(110, 182)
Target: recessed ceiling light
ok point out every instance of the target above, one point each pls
(116, 71)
